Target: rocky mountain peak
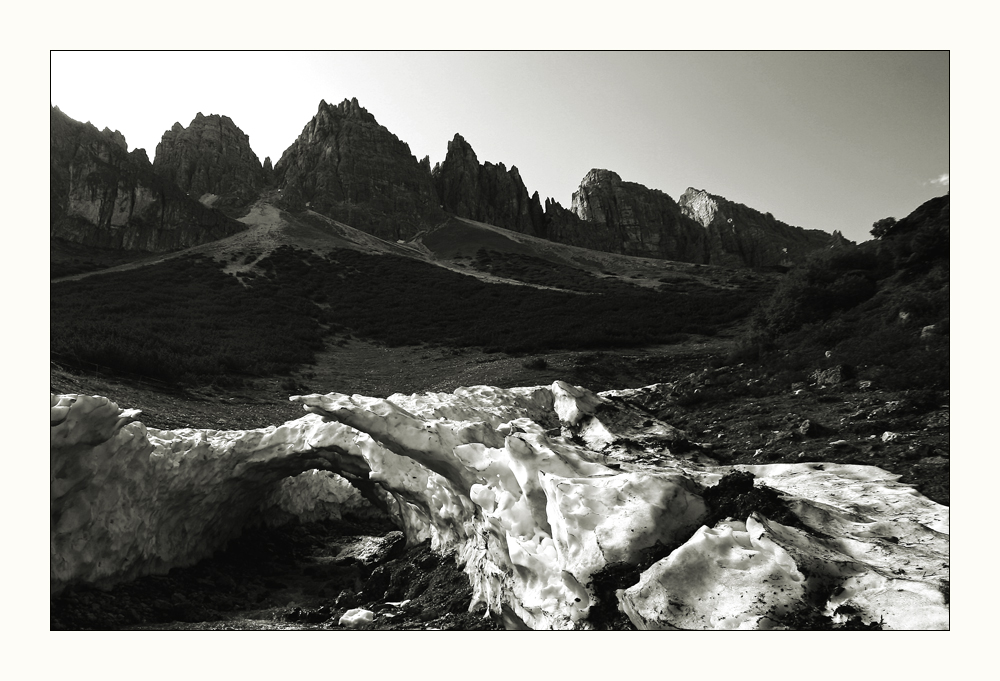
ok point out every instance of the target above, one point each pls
(459, 149)
(741, 235)
(349, 108)
(211, 157)
(348, 167)
(486, 192)
(104, 196)
(140, 156)
(116, 137)
(637, 220)
(600, 176)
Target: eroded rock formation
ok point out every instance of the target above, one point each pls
(102, 195)
(699, 228)
(211, 160)
(642, 222)
(535, 490)
(348, 167)
(268, 171)
(740, 236)
(486, 192)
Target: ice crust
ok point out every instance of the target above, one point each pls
(533, 490)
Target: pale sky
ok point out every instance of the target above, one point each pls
(822, 140)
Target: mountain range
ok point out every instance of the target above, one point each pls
(347, 167)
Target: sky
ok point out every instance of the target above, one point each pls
(822, 140)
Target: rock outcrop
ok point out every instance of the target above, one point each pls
(211, 160)
(699, 228)
(741, 236)
(608, 214)
(268, 171)
(348, 167)
(642, 222)
(537, 491)
(102, 195)
(486, 192)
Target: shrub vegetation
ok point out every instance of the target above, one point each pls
(185, 318)
(865, 305)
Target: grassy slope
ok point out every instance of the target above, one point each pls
(187, 320)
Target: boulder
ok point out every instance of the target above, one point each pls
(832, 376)
(356, 618)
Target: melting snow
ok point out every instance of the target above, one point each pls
(521, 485)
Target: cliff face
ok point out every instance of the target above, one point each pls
(101, 195)
(626, 217)
(347, 166)
(642, 222)
(211, 156)
(487, 193)
(268, 171)
(741, 236)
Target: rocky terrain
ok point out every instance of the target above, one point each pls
(103, 196)
(211, 160)
(738, 235)
(310, 575)
(354, 269)
(608, 214)
(641, 221)
(486, 192)
(348, 167)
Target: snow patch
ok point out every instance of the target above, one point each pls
(532, 515)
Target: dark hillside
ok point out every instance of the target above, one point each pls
(67, 258)
(187, 320)
(881, 307)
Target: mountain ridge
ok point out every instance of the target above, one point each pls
(348, 167)
(102, 195)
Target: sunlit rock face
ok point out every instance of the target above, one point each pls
(645, 222)
(699, 227)
(741, 236)
(535, 490)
